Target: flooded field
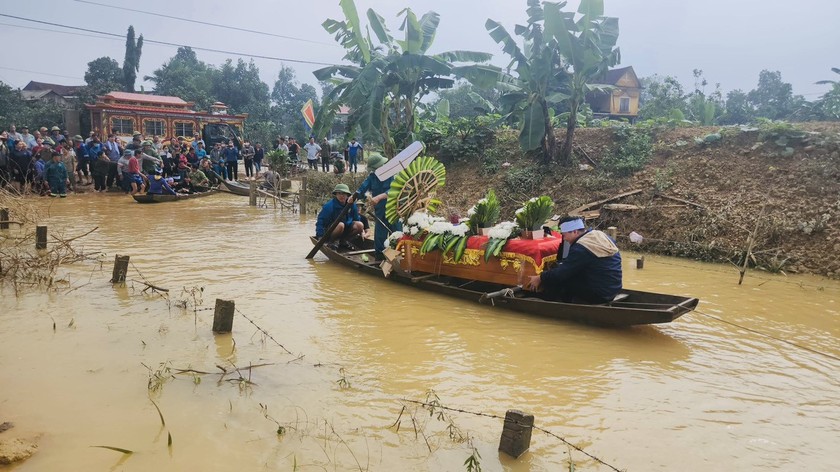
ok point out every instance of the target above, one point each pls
(325, 365)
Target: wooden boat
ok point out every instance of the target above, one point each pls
(235, 187)
(631, 307)
(160, 198)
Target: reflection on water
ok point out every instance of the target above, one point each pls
(693, 395)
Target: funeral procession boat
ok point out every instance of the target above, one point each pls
(459, 258)
(161, 198)
(441, 275)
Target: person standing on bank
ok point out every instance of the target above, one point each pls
(231, 155)
(355, 152)
(312, 150)
(345, 230)
(326, 150)
(379, 194)
(248, 158)
(590, 273)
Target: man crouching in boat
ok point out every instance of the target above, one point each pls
(158, 185)
(590, 273)
(346, 230)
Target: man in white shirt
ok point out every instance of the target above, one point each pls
(312, 152)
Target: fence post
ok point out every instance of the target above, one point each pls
(223, 316)
(640, 263)
(516, 433)
(4, 218)
(302, 195)
(612, 232)
(40, 237)
(252, 196)
(120, 269)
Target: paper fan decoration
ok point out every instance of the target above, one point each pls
(414, 188)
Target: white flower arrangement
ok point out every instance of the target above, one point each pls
(502, 230)
(460, 230)
(440, 227)
(394, 238)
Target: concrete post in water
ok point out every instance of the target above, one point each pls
(612, 232)
(4, 218)
(40, 237)
(223, 316)
(516, 433)
(302, 195)
(252, 197)
(120, 269)
(640, 263)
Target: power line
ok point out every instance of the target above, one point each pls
(232, 53)
(61, 32)
(42, 73)
(188, 20)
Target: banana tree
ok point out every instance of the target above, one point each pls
(588, 46)
(390, 76)
(531, 92)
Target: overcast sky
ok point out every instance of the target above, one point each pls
(730, 40)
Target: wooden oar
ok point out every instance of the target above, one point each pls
(505, 292)
(329, 230)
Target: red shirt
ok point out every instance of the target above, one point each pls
(133, 165)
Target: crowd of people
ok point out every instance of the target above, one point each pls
(324, 154)
(51, 162)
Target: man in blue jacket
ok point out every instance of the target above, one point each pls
(590, 273)
(345, 230)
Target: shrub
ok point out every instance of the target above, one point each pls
(632, 151)
(522, 183)
(319, 185)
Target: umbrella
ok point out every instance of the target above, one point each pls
(400, 161)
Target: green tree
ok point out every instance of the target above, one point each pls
(389, 79)
(288, 97)
(103, 75)
(529, 94)
(241, 89)
(131, 64)
(588, 46)
(828, 106)
(186, 77)
(468, 101)
(738, 109)
(15, 110)
(703, 108)
(773, 98)
(661, 97)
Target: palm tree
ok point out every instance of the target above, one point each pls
(388, 79)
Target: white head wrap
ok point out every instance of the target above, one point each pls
(571, 225)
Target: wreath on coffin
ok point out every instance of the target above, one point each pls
(414, 189)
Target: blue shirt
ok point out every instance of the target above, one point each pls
(330, 211)
(231, 154)
(353, 149)
(376, 187)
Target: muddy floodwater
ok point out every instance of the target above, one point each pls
(81, 365)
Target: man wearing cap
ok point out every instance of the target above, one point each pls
(590, 273)
(378, 189)
(55, 134)
(326, 151)
(345, 230)
(355, 152)
(56, 175)
(151, 159)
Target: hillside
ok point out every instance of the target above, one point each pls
(743, 180)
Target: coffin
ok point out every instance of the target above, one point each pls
(518, 260)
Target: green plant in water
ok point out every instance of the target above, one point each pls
(342, 381)
(473, 463)
(534, 213)
(485, 213)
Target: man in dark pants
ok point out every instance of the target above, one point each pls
(590, 273)
(326, 150)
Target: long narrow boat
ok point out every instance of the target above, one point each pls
(235, 187)
(161, 198)
(631, 307)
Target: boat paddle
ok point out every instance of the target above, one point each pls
(332, 226)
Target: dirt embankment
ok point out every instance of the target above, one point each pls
(789, 191)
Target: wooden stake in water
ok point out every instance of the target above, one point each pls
(252, 196)
(612, 232)
(223, 316)
(120, 269)
(4, 218)
(40, 237)
(302, 196)
(516, 433)
(640, 263)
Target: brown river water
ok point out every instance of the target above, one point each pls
(695, 395)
